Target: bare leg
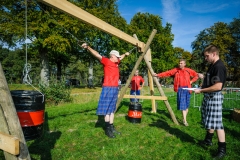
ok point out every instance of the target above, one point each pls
(221, 135)
(184, 114)
(111, 118)
(107, 118)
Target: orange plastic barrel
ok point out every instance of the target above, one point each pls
(30, 107)
(135, 112)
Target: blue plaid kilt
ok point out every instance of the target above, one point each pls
(107, 101)
(183, 98)
(212, 110)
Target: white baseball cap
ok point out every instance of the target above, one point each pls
(116, 53)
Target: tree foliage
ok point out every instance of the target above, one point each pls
(221, 35)
(142, 24)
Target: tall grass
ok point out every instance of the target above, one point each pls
(74, 132)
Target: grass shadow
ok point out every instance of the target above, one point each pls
(174, 131)
(100, 122)
(70, 114)
(45, 143)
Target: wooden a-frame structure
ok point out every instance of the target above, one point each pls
(82, 15)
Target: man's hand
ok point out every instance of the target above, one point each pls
(127, 53)
(84, 45)
(200, 75)
(154, 74)
(197, 91)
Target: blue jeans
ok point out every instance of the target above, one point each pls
(133, 92)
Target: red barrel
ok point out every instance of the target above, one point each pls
(30, 106)
(135, 112)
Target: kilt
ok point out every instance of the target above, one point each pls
(212, 110)
(107, 101)
(183, 98)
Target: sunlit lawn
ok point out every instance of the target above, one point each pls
(72, 132)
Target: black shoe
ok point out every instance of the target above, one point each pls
(114, 131)
(109, 132)
(221, 150)
(206, 143)
(208, 139)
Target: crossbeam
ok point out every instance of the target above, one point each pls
(146, 97)
(79, 13)
(9, 143)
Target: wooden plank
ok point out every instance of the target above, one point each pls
(146, 97)
(9, 143)
(79, 13)
(11, 118)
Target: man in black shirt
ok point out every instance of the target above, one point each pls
(212, 102)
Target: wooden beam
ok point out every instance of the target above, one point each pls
(11, 118)
(79, 13)
(146, 97)
(9, 143)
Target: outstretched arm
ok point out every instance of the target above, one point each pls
(92, 51)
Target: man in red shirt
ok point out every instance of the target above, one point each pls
(135, 86)
(109, 94)
(182, 79)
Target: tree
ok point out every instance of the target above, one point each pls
(220, 35)
(233, 58)
(142, 25)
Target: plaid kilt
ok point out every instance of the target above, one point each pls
(212, 110)
(107, 101)
(183, 98)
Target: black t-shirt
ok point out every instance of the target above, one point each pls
(216, 73)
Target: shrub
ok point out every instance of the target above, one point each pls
(57, 91)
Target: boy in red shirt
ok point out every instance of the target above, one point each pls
(109, 94)
(182, 79)
(135, 86)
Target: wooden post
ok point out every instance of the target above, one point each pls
(162, 93)
(148, 57)
(11, 125)
(123, 90)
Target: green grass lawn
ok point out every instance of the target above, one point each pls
(71, 132)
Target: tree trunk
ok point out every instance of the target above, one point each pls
(59, 70)
(45, 69)
(90, 73)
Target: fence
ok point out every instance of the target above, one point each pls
(230, 100)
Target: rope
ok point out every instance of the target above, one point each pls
(27, 66)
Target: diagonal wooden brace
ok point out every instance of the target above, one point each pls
(123, 90)
(159, 88)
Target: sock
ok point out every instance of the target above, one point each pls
(107, 124)
(222, 144)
